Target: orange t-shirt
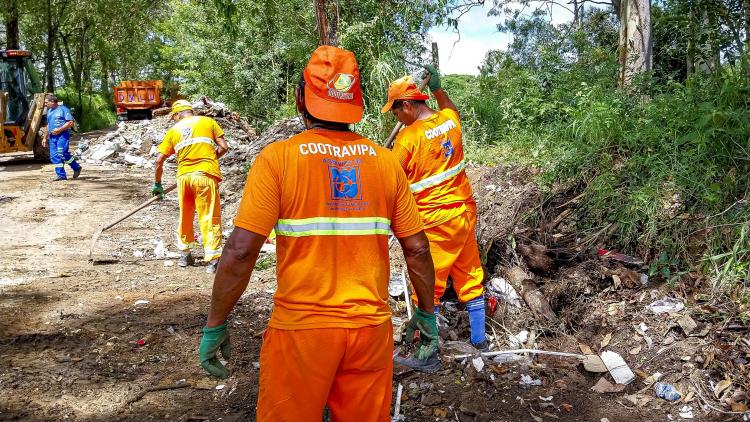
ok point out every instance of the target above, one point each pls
(332, 197)
(432, 154)
(193, 139)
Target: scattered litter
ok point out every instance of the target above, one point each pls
(656, 376)
(500, 288)
(268, 248)
(510, 357)
(141, 302)
(666, 391)
(644, 279)
(256, 365)
(220, 387)
(119, 298)
(519, 339)
(478, 363)
(397, 416)
(140, 342)
(605, 341)
(603, 386)
(395, 286)
(686, 412)
(549, 398)
(168, 263)
(138, 253)
(159, 250)
(617, 367)
(594, 363)
(667, 305)
(687, 324)
(527, 381)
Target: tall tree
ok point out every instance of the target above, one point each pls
(11, 18)
(327, 17)
(635, 40)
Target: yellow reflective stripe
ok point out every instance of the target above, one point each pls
(333, 226)
(193, 141)
(437, 179)
(333, 232)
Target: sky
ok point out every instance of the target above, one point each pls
(478, 34)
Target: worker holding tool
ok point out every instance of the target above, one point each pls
(333, 197)
(59, 122)
(198, 142)
(430, 150)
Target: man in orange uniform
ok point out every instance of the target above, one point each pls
(431, 152)
(333, 197)
(198, 142)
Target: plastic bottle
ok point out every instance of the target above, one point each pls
(666, 391)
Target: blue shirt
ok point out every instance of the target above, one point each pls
(56, 118)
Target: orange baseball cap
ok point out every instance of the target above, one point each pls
(332, 87)
(403, 89)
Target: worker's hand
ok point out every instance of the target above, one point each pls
(44, 141)
(157, 190)
(434, 82)
(426, 323)
(213, 340)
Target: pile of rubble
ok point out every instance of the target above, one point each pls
(134, 143)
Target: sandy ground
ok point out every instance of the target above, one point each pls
(76, 345)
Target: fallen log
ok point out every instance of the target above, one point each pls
(534, 298)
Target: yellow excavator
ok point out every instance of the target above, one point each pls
(22, 111)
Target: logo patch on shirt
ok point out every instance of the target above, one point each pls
(340, 85)
(345, 180)
(186, 133)
(447, 148)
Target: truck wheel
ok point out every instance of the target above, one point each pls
(41, 153)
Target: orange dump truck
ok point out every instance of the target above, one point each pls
(136, 100)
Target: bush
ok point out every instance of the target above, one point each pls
(97, 111)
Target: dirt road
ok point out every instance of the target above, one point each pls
(79, 341)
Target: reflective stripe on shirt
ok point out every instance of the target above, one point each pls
(437, 179)
(331, 226)
(193, 141)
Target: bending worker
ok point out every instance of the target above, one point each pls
(429, 149)
(59, 123)
(198, 142)
(332, 197)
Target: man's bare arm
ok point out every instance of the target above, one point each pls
(222, 147)
(159, 167)
(421, 269)
(235, 267)
(444, 101)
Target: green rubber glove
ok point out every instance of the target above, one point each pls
(434, 82)
(426, 323)
(213, 340)
(157, 190)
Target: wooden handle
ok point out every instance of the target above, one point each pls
(142, 206)
(399, 125)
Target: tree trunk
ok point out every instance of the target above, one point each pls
(635, 40)
(11, 25)
(63, 63)
(327, 16)
(690, 53)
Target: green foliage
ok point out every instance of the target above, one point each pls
(661, 162)
(96, 110)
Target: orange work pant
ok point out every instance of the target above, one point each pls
(349, 369)
(198, 192)
(455, 253)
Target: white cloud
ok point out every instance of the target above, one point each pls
(478, 35)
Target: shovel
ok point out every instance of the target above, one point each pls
(133, 211)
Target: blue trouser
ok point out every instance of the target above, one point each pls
(60, 156)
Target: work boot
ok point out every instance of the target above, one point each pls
(77, 173)
(212, 266)
(482, 346)
(185, 260)
(429, 365)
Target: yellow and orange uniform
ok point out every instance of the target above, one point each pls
(193, 140)
(333, 198)
(431, 152)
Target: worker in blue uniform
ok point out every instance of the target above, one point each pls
(59, 123)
